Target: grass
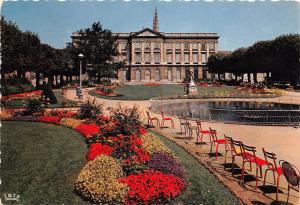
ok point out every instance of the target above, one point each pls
(144, 92)
(203, 187)
(18, 103)
(40, 166)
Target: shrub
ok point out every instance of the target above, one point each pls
(70, 122)
(14, 85)
(166, 164)
(152, 187)
(97, 149)
(97, 181)
(152, 144)
(88, 110)
(127, 120)
(34, 106)
(87, 130)
(49, 119)
(48, 93)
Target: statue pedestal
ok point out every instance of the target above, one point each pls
(193, 90)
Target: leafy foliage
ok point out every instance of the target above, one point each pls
(90, 111)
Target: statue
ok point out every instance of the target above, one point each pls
(192, 87)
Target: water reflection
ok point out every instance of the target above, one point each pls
(258, 113)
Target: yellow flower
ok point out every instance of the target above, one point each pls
(152, 144)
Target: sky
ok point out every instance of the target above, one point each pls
(238, 23)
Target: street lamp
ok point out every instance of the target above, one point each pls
(81, 56)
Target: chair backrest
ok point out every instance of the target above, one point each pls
(162, 114)
(228, 145)
(199, 125)
(148, 114)
(248, 150)
(291, 174)
(187, 123)
(271, 159)
(236, 147)
(213, 134)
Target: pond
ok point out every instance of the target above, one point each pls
(255, 113)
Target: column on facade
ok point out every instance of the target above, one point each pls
(152, 52)
(132, 73)
(182, 73)
(200, 71)
(132, 52)
(191, 53)
(182, 52)
(173, 53)
(142, 53)
(207, 55)
(162, 52)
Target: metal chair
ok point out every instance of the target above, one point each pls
(215, 140)
(249, 155)
(151, 119)
(292, 175)
(182, 123)
(191, 129)
(272, 166)
(166, 119)
(202, 132)
(228, 146)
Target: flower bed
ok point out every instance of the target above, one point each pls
(36, 93)
(125, 164)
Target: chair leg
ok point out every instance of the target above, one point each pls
(260, 171)
(266, 176)
(256, 176)
(232, 164)
(274, 177)
(201, 137)
(210, 149)
(242, 176)
(217, 151)
(287, 200)
(278, 180)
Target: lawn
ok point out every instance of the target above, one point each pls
(17, 103)
(40, 163)
(204, 187)
(145, 92)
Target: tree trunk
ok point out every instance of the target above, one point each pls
(37, 80)
(19, 74)
(242, 78)
(51, 80)
(249, 77)
(61, 80)
(255, 77)
(56, 80)
(235, 77)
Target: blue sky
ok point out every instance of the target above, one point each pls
(238, 23)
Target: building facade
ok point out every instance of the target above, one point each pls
(154, 56)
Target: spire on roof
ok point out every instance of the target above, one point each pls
(155, 21)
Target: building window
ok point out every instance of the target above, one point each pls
(138, 75)
(196, 77)
(203, 57)
(169, 57)
(169, 46)
(147, 45)
(156, 46)
(203, 47)
(195, 57)
(169, 74)
(177, 46)
(178, 57)
(138, 57)
(147, 57)
(138, 46)
(157, 75)
(147, 75)
(156, 57)
(211, 46)
(186, 58)
(186, 46)
(195, 46)
(178, 74)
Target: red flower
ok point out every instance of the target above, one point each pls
(97, 149)
(143, 131)
(87, 130)
(152, 186)
(49, 119)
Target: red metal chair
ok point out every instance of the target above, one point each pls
(202, 132)
(151, 119)
(215, 140)
(292, 175)
(236, 147)
(249, 155)
(272, 166)
(166, 119)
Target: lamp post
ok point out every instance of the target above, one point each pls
(81, 56)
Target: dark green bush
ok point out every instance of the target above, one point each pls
(48, 94)
(13, 86)
(34, 107)
(89, 110)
